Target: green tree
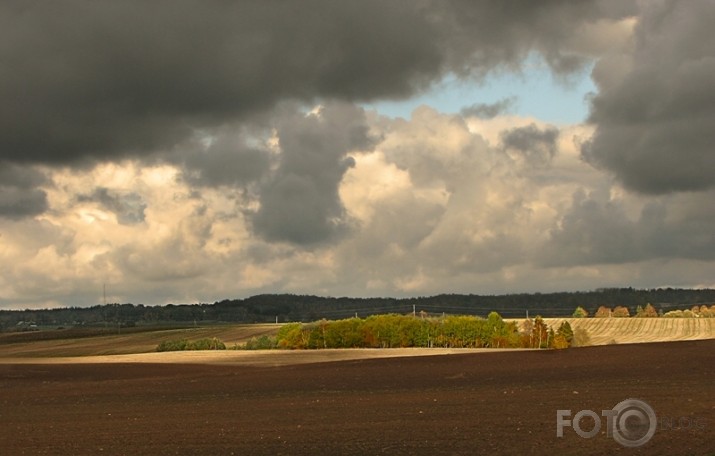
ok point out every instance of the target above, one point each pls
(580, 312)
(540, 338)
(292, 336)
(566, 332)
(414, 332)
(260, 343)
(344, 333)
(559, 342)
(381, 331)
(461, 332)
(551, 335)
(527, 333)
(500, 333)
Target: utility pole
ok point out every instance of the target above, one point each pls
(104, 308)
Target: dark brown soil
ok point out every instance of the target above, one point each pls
(500, 403)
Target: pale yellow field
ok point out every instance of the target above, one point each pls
(603, 331)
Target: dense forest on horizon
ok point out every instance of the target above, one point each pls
(269, 308)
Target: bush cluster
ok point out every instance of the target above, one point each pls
(259, 343)
(649, 311)
(184, 344)
(695, 312)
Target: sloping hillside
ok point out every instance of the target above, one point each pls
(137, 342)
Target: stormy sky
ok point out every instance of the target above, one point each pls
(189, 151)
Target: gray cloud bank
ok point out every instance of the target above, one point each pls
(300, 203)
(128, 208)
(19, 195)
(655, 110)
(88, 82)
(102, 80)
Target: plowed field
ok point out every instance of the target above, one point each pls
(457, 404)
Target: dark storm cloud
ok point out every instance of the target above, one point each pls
(488, 34)
(231, 159)
(99, 80)
(19, 197)
(18, 203)
(489, 110)
(597, 231)
(300, 204)
(684, 228)
(129, 207)
(655, 110)
(537, 146)
(592, 232)
(102, 79)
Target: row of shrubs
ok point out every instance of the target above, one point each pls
(255, 343)
(398, 331)
(690, 313)
(393, 330)
(184, 344)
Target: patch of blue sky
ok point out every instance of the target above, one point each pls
(535, 92)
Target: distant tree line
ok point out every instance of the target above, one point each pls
(648, 311)
(305, 308)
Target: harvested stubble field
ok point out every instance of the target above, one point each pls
(604, 331)
(473, 403)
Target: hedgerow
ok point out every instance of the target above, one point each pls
(394, 330)
(184, 344)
